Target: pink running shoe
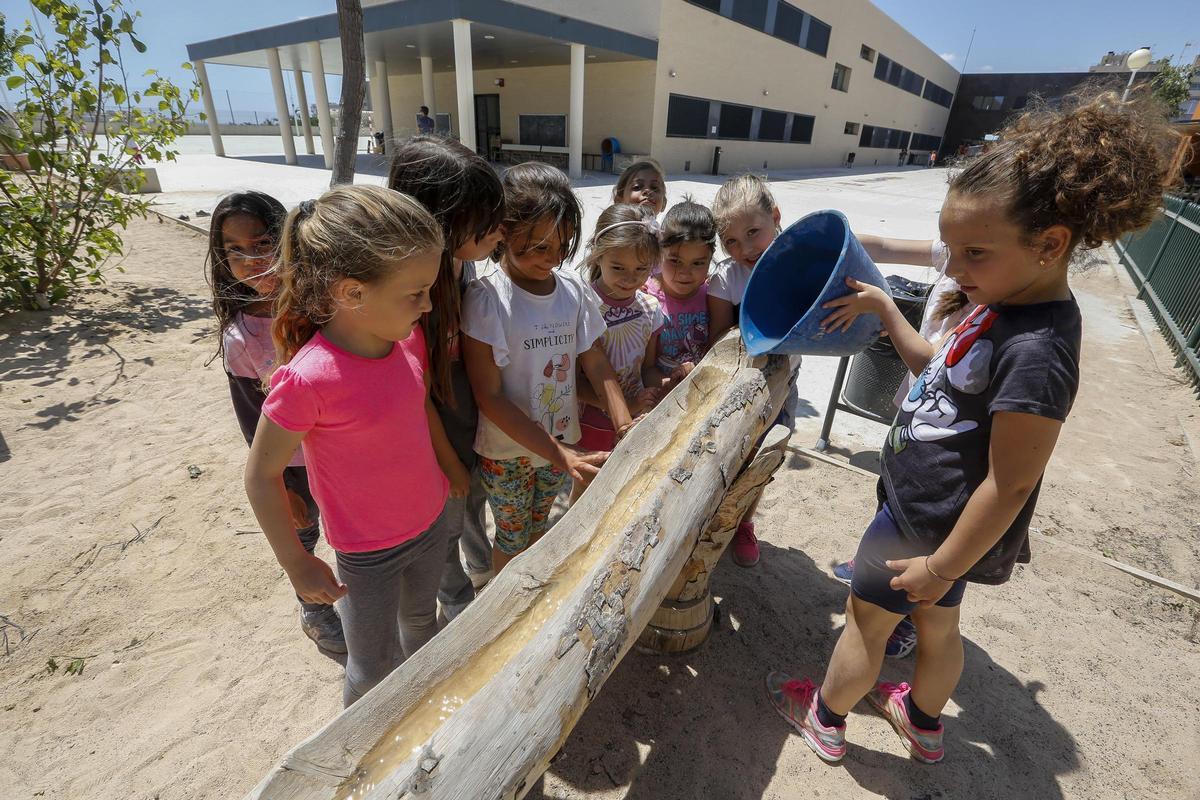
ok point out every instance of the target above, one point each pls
(796, 701)
(888, 700)
(745, 546)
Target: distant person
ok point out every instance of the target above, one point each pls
(933, 158)
(378, 135)
(425, 123)
(903, 158)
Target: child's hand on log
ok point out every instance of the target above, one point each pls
(581, 465)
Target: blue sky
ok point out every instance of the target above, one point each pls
(1011, 35)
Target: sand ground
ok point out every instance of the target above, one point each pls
(121, 544)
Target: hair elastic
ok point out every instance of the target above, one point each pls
(307, 207)
(650, 225)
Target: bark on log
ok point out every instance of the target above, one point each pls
(480, 710)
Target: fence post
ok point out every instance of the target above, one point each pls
(1161, 249)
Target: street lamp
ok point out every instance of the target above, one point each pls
(1137, 59)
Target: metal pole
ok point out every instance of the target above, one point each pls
(1128, 86)
(232, 119)
(827, 425)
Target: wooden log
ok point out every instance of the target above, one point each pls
(480, 710)
(684, 620)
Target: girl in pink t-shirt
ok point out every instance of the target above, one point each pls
(689, 239)
(356, 267)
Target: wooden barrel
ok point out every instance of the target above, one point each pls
(678, 627)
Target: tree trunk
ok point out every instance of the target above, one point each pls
(350, 31)
(480, 711)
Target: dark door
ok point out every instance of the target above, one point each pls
(487, 125)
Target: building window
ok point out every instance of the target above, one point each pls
(1020, 102)
(734, 121)
(789, 23)
(937, 94)
(898, 75)
(925, 141)
(771, 126)
(867, 53)
(687, 116)
(751, 12)
(988, 102)
(690, 116)
(852, 128)
(884, 138)
(547, 130)
(841, 77)
(818, 36)
(802, 128)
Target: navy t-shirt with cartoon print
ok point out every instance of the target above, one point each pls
(1000, 358)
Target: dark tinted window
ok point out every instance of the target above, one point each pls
(735, 121)
(687, 116)
(771, 125)
(802, 128)
(818, 37)
(751, 12)
(788, 22)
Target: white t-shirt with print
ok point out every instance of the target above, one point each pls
(728, 281)
(535, 341)
(934, 330)
(630, 324)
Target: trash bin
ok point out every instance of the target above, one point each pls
(609, 147)
(875, 373)
(716, 164)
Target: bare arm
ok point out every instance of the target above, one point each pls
(652, 377)
(918, 252)
(720, 318)
(865, 298)
(1020, 449)
(603, 379)
(488, 388)
(269, 454)
(460, 478)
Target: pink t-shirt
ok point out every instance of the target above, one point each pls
(371, 464)
(684, 337)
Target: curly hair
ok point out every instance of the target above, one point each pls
(362, 232)
(465, 196)
(1096, 165)
(643, 238)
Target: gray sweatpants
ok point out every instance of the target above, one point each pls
(464, 523)
(390, 607)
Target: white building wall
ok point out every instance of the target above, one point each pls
(717, 59)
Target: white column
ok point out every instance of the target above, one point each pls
(464, 80)
(427, 85)
(302, 101)
(210, 109)
(575, 115)
(384, 115)
(322, 98)
(281, 109)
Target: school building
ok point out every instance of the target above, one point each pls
(732, 84)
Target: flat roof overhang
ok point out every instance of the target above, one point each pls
(503, 34)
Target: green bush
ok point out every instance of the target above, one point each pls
(71, 139)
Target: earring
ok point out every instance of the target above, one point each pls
(1042, 261)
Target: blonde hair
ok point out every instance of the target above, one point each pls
(641, 234)
(741, 194)
(360, 232)
(618, 195)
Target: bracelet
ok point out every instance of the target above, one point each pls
(929, 569)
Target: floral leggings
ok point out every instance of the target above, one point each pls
(521, 496)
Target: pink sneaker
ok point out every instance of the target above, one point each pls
(745, 546)
(888, 700)
(796, 701)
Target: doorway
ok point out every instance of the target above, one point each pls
(487, 125)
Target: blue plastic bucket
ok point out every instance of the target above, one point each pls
(806, 266)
